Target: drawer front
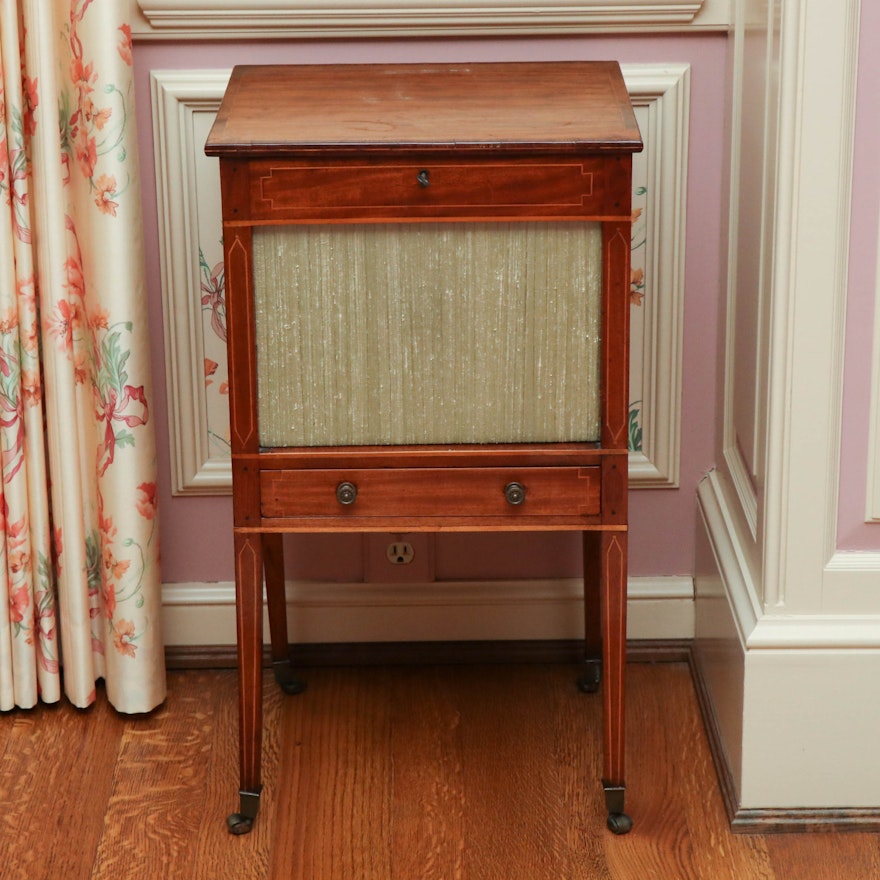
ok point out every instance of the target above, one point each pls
(492, 189)
(432, 492)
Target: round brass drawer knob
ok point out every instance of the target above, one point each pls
(346, 493)
(515, 493)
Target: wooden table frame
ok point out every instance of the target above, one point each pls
(265, 179)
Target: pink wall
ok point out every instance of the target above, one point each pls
(853, 532)
(197, 531)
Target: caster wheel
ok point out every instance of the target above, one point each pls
(589, 682)
(294, 686)
(238, 824)
(619, 823)
(285, 679)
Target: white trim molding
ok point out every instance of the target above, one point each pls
(198, 614)
(198, 466)
(776, 743)
(185, 103)
(872, 501)
(661, 97)
(730, 540)
(243, 19)
(805, 378)
(763, 631)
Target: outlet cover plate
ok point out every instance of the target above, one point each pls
(379, 570)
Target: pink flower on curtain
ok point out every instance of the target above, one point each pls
(19, 602)
(112, 569)
(99, 319)
(18, 566)
(86, 151)
(147, 500)
(125, 48)
(61, 323)
(83, 122)
(106, 187)
(123, 637)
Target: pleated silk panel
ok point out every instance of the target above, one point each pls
(426, 333)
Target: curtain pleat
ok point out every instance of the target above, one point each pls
(81, 555)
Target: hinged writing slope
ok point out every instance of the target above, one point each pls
(427, 272)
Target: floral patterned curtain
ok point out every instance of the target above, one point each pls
(79, 559)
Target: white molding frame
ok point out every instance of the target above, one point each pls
(872, 500)
(659, 91)
(177, 96)
(245, 19)
(204, 613)
(731, 545)
(664, 91)
(793, 518)
(740, 477)
(761, 631)
(805, 371)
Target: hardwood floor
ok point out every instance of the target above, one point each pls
(379, 773)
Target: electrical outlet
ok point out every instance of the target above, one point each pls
(400, 553)
(402, 558)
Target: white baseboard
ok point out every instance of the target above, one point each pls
(791, 697)
(196, 614)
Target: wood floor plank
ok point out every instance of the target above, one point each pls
(512, 787)
(56, 775)
(428, 828)
(159, 794)
(334, 812)
(828, 856)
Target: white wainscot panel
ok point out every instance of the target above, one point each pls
(188, 192)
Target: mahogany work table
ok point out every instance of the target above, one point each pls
(427, 281)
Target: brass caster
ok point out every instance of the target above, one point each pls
(243, 821)
(619, 823)
(238, 824)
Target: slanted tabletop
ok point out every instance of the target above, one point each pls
(295, 110)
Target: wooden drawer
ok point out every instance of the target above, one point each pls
(394, 190)
(431, 492)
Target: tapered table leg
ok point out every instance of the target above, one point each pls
(273, 563)
(591, 677)
(249, 624)
(612, 556)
